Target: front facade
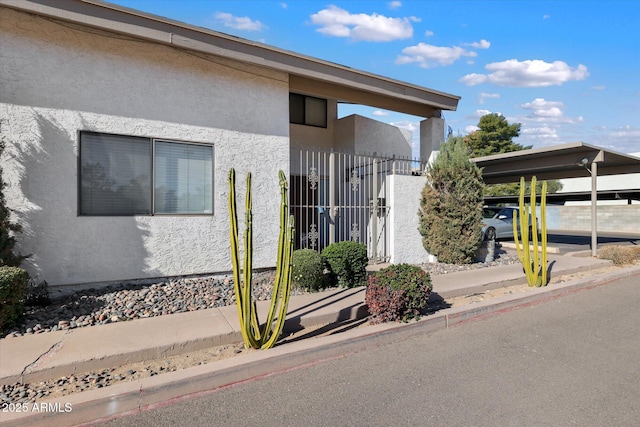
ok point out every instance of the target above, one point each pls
(118, 148)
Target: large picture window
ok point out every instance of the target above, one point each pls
(307, 110)
(123, 175)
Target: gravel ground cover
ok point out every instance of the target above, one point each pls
(121, 303)
(125, 303)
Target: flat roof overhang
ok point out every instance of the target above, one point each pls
(308, 74)
(571, 160)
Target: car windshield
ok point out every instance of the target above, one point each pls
(489, 213)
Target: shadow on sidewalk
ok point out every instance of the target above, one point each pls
(347, 320)
(435, 304)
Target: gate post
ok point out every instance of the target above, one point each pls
(332, 197)
(374, 214)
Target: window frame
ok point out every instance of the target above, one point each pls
(152, 183)
(305, 121)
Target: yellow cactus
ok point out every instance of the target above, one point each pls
(252, 334)
(536, 269)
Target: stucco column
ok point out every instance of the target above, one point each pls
(431, 136)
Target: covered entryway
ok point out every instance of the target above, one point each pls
(338, 196)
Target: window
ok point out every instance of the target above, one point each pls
(307, 110)
(124, 175)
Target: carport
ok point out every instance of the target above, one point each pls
(573, 160)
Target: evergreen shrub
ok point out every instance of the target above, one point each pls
(307, 270)
(451, 206)
(13, 286)
(347, 262)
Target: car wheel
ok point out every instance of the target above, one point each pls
(490, 234)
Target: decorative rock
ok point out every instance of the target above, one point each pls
(62, 324)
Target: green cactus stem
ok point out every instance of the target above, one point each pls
(535, 269)
(252, 334)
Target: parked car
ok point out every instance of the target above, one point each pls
(497, 222)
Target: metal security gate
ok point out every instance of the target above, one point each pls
(336, 197)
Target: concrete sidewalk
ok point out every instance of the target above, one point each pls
(54, 354)
(34, 358)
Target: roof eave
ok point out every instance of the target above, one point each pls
(134, 23)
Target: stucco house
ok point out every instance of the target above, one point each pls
(120, 128)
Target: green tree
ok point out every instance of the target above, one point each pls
(513, 189)
(451, 205)
(7, 230)
(494, 136)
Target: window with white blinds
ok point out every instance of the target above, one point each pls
(122, 175)
(183, 178)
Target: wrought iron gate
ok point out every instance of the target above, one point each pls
(336, 197)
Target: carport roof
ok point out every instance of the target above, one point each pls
(572, 160)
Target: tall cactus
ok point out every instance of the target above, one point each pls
(536, 269)
(252, 334)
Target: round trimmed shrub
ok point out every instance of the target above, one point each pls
(398, 293)
(307, 270)
(347, 262)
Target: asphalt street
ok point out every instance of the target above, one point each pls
(568, 361)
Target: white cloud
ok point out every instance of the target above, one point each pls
(543, 108)
(598, 87)
(394, 4)
(482, 44)
(428, 33)
(471, 128)
(546, 17)
(239, 22)
(427, 55)
(479, 113)
(337, 22)
(483, 95)
(543, 132)
(529, 73)
(626, 132)
(284, 5)
(548, 111)
(380, 113)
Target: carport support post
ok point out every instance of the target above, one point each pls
(594, 209)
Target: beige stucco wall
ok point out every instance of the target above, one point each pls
(57, 80)
(361, 135)
(317, 138)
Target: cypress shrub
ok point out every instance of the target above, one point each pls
(451, 205)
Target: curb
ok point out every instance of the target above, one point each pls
(122, 399)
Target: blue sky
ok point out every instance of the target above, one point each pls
(566, 70)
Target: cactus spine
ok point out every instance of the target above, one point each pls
(252, 334)
(536, 269)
